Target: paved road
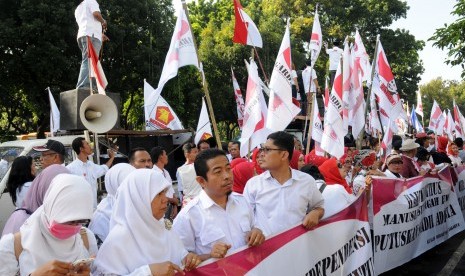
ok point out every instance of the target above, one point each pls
(445, 259)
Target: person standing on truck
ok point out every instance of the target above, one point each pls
(53, 152)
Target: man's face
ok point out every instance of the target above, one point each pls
(86, 148)
(234, 151)
(48, 158)
(229, 146)
(204, 146)
(142, 160)
(190, 156)
(164, 158)
(219, 178)
(274, 157)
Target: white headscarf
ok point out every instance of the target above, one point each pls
(100, 223)
(136, 238)
(69, 198)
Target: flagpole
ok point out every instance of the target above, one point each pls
(310, 127)
(204, 82)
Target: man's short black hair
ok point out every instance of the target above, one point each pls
(155, 153)
(459, 142)
(187, 147)
(203, 141)
(235, 142)
(200, 163)
(283, 140)
(133, 152)
(308, 62)
(77, 144)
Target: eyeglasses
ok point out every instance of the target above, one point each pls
(397, 162)
(266, 149)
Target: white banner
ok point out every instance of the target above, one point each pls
(459, 187)
(412, 216)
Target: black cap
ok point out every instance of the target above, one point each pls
(52, 145)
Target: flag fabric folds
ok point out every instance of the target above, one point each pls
(356, 95)
(96, 69)
(459, 121)
(54, 114)
(204, 129)
(436, 118)
(239, 100)
(361, 58)
(281, 109)
(316, 38)
(415, 122)
(245, 30)
(386, 144)
(419, 109)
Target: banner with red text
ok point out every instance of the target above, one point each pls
(411, 216)
(339, 245)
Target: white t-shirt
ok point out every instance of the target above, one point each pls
(187, 180)
(306, 80)
(88, 24)
(336, 198)
(21, 195)
(279, 207)
(334, 57)
(203, 223)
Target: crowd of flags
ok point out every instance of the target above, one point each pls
(344, 102)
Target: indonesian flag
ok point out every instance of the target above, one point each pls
(346, 85)
(255, 113)
(333, 133)
(419, 109)
(281, 109)
(386, 144)
(245, 30)
(204, 129)
(96, 69)
(449, 126)
(317, 129)
(316, 40)
(54, 114)
(362, 60)
(239, 100)
(459, 121)
(356, 96)
(385, 89)
(415, 122)
(435, 118)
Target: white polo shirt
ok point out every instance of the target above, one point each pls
(90, 171)
(334, 57)
(88, 24)
(203, 223)
(306, 79)
(279, 207)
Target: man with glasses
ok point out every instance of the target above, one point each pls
(282, 197)
(53, 152)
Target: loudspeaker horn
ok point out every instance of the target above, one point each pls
(98, 113)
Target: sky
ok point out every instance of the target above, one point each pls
(423, 18)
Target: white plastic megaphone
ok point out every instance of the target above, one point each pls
(98, 113)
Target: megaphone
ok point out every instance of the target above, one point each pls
(98, 113)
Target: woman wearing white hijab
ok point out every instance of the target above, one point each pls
(50, 240)
(139, 243)
(100, 223)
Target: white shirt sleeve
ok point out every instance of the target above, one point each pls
(8, 264)
(182, 227)
(99, 170)
(93, 248)
(93, 6)
(316, 200)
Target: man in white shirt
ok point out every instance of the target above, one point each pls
(335, 54)
(91, 23)
(140, 158)
(282, 197)
(216, 220)
(188, 186)
(310, 79)
(160, 160)
(82, 166)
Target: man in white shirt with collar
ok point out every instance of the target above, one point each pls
(216, 220)
(188, 186)
(160, 160)
(82, 166)
(283, 197)
(335, 54)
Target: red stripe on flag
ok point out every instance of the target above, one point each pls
(96, 69)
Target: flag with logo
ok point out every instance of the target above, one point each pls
(255, 112)
(435, 118)
(96, 69)
(316, 38)
(239, 100)
(245, 30)
(54, 114)
(415, 122)
(204, 129)
(281, 109)
(419, 109)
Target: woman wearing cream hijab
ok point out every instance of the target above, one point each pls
(50, 238)
(138, 242)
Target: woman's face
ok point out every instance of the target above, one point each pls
(159, 205)
(395, 166)
(301, 161)
(454, 149)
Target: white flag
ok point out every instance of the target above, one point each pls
(449, 126)
(255, 113)
(204, 129)
(459, 121)
(333, 133)
(435, 119)
(362, 60)
(54, 114)
(386, 144)
(419, 108)
(346, 85)
(317, 130)
(245, 30)
(316, 38)
(356, 96)
(281, 109)
(239, 100)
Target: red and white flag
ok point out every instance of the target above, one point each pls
(356, 96)
(239, 100)
(281, 109)
(245, 30)
(386, 144)
(255, 113)
(96, 69)
(449, 126)
(436, 118)
(54, 114)
(419, 108)
(459, 121)
(385, 89)
(362, 60)
(316, 39)
(333, 133)
(346, 85)
(204, 129)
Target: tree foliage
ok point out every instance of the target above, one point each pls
(452, 38)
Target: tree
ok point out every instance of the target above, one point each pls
(452, 38)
